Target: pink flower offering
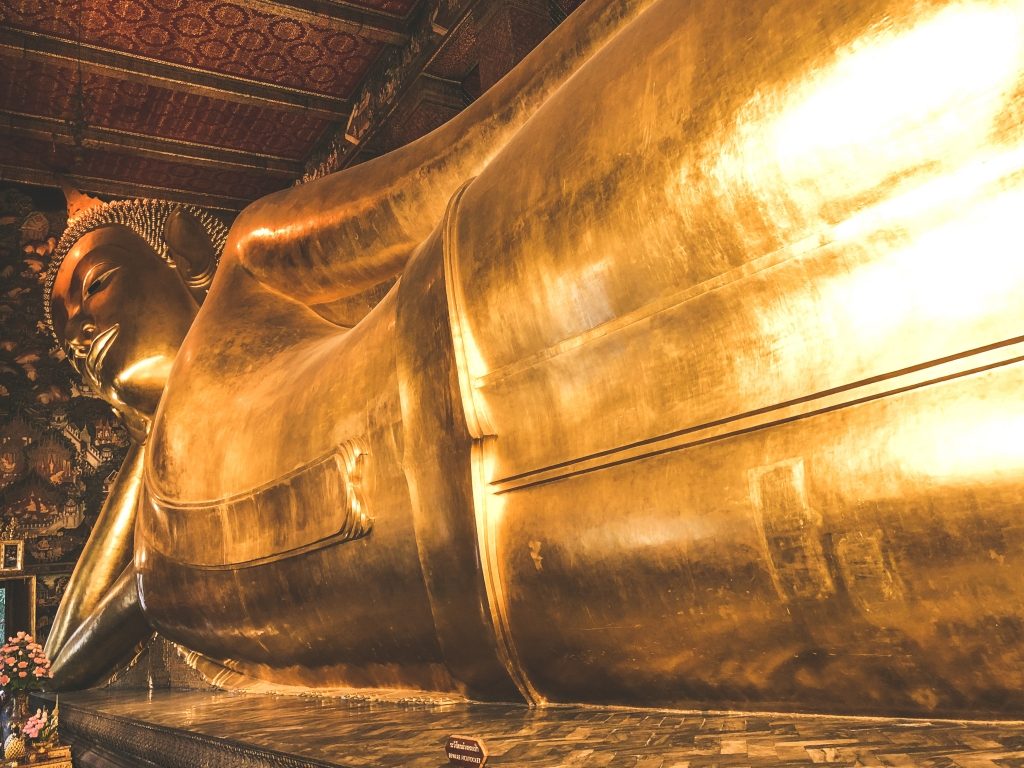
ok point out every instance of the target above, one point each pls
(36, 724)
(23, 665)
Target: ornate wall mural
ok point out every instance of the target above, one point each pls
(59, 446)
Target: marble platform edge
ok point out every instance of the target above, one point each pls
(168, 747)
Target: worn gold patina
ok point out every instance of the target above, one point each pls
(699, 387)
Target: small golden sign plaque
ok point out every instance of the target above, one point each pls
(465, 750)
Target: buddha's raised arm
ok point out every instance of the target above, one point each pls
(345, 233)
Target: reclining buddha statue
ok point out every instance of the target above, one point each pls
(683, 368)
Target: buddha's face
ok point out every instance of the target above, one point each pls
(121, 313)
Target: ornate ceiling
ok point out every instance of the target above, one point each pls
(219, 102)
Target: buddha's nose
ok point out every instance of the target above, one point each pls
(80, 333)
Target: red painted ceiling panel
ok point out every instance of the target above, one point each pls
(395, 7)
(41, 155)
(214, 35)
(47, 89)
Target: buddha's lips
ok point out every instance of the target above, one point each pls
(98, 350)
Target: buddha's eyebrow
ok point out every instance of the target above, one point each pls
(98, 267)
(85, 271)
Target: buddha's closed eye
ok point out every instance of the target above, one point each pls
(98, 283)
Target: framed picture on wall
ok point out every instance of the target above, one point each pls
(12, 556)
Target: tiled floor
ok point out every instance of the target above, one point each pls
(354, 734)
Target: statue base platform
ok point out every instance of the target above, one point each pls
(183, 729)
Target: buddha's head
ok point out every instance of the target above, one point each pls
(125, 284)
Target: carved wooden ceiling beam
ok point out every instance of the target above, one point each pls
(123, 189)
(364, 22)
(48, 128)
(378, 95)
(174, 76)
(493, 34)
